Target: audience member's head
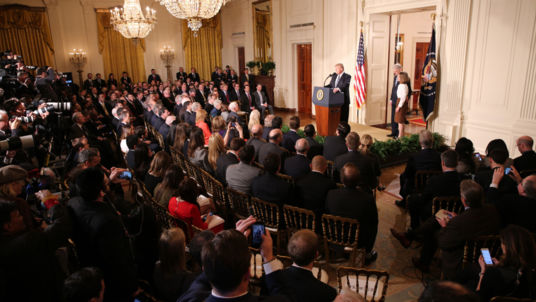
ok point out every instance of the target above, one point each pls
(275, 136)
(89, 157)
(257, 130)
(236, 144)
(132, 141)
(11, 220)
(343, 129)
(12, 180)
(449, 160)
(171, 248)
(464, 148)
(447, 291)
(471, 193)
(268, 120)
(294, 123)
(426, 139)
(277, 122)
(159, 164)
(366, 143)
(197, 243)
(527, 187)
(90, 183)
(352, 141)
(218, 123)
(524, 144)
(272, 163)
(350, 175)
(226, 261)
(188, 190)
(496, 144)
(303, 247)
(498, 156)
(301, 146)
(172, 177)
(85, 285)
(309, 130)
(247, 154)
(197, 141)
(518, 248)
(319, 164)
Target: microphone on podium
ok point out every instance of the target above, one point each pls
(329, 76)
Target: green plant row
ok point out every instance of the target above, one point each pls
(390, 148)
(264, 67)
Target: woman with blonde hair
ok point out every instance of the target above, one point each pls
(216, 148)
(170, 276)
(200, 117)
(218, 125)
(159, 164)
(402, 102)
(254, 119)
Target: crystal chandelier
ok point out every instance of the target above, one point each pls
(193, 10)
(130, 22)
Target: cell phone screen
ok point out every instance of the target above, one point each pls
(125, 175)
(487, 257)
(507, 171)
(257, 231)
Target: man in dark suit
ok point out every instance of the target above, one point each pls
(273, 146)
(217, 76)
(303, 249)
(247, 103)
(153, 77)
(336, 145)
(271, 122)
(245, 79)
(256, 139)
(229, 158)
(426, 159)
(365, 164)
(290, 138)
(194, 76)
(125, 79)
(235, 93)
(518, 208)
(268, 186)
(527, 160)
(261, 101)
(340, 83)
(132, 141)
(315, 148)
(181, 75)
(357, 204)
(497, 159)
(224, 93)
(298, 165)
(313, 188)
(444, 184)
(397, 68)
(43, 83)
(99, 82)
(201, 96)
(88, 83)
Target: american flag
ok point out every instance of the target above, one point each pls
(360, 78)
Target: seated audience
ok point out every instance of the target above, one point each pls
(170, 277)
(497, 159)
(368, 178)
(315, 148)
(228, 158)
(298, 165)
(268, 186)
(154, 176)
(353, 202)
(196, 248)
(182, 132)
(336, 145)
(142, 160)
(240, 176)
(466, 160)
(526, 162)
(273, 146)
(256, 139)
(290, 138)
(197, 154)
(215, 149)
(132, 141)
(254, 119)
(168, 187)
(85, 285)
(200, 117)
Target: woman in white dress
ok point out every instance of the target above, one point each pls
(402, 102)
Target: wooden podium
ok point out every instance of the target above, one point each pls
(328, 110)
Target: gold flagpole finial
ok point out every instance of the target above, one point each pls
(361, 24)
(433, 15)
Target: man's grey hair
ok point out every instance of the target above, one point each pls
(233, 106)
(398, 66)
(196, 106)
(217, 102)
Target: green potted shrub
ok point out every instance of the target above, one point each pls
(268, 68)
(253, 67)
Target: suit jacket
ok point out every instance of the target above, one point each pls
(527, 161)
(315, 148)
(305, 287)
(426, 159)
(88, 84)
(444, 184)
(357, 204)
(334, 146)
(289, 140)
(312, 190)
(245, 102)
(365, 165)
(225, 96)
(514, 208)
(244, 79)
(235, 96)
(164, 130)
(194, 77)
(297, 166)
(224, 161)
(127, 81)
(181, 75)
(257, 144)
(272, 148)
(257, 97)
(130, 159)
(269, 187)
(266, 132)
(153, 77)
(200, 97)
(157, 122)
(44, 85)
(231, 79)
(506, 186)
(471, 223)
(343, 85)
(99, 83)
(239, 176)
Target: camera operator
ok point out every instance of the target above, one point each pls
(44, 81)
(25, 87)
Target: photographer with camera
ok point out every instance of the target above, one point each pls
(43, 83)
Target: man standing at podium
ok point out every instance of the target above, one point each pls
(340, 83)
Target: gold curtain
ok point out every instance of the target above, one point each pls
(118, 53)
(204, 51)
(263, 27)
(25, 31)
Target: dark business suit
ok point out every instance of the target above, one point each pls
(246, 102)
(426, 159)
(365, 165)
(194, 77)
(131, 163)
(305, 287)
(181, 75)
(315, 148)
(344, 86)
(269, 187)
(312, 190)
(356, 204)
(266, 132)
(297, 166)
(224, 161)
(289, 140)
(514, 208)
(393, 99)
(506, 186)
(527, 161)
(244, 79)
(334, 146)
(257, 144)
(272, 148)
(235, 95)
(164, 130)
(153, 77)
(201, 97)
(470, 224)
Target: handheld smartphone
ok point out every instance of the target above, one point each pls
(486, 255)
(478, 156)
(257, 230)
(507, 171)
(125, 175)
(449, 215)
